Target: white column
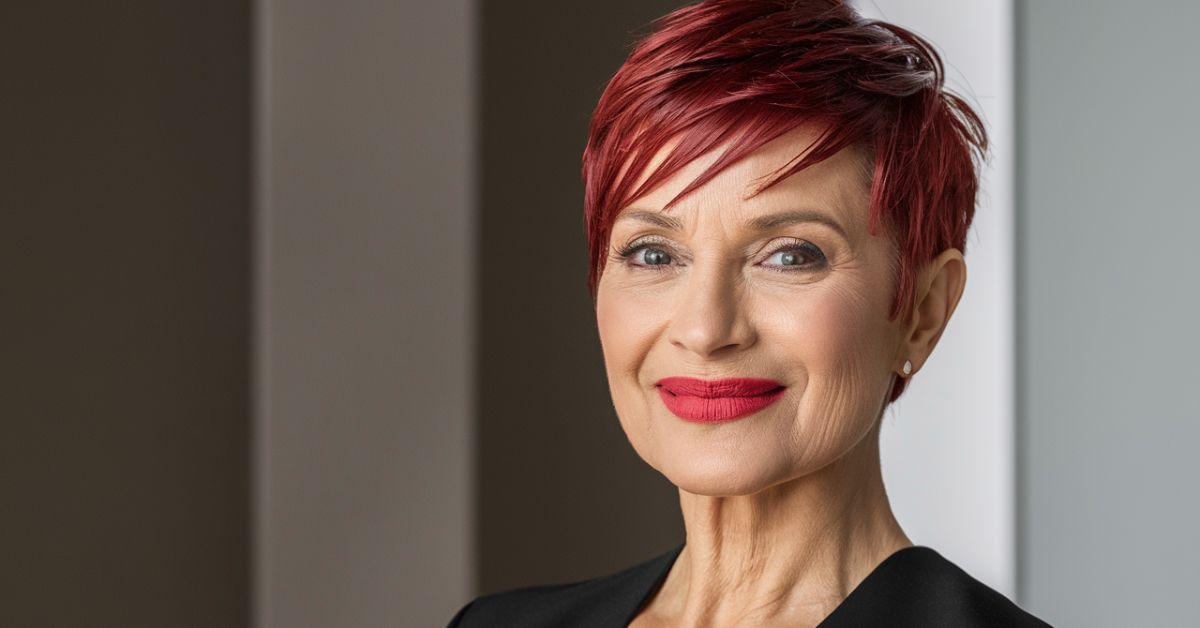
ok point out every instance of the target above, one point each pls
(947, 445)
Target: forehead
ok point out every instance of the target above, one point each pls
(838, 187)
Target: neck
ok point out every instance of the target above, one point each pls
(789, 553)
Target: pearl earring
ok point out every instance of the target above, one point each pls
(907, 367)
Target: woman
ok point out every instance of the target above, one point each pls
(785, 259)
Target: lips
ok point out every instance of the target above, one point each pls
(708, 401)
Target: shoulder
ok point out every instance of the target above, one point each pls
(918, 586)
(601, 601)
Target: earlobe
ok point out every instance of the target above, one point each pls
(940, 286)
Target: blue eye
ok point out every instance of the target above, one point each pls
(795, 256)
(646, 255)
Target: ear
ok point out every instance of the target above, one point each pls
(939, 287)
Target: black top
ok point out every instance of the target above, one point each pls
(915, 586)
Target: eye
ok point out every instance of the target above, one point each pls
(645, 254)
(797, 255)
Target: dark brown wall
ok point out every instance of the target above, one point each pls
(124, 226)
(562, 493)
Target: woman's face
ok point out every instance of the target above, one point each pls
(804, 303)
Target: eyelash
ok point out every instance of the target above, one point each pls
(625, 255)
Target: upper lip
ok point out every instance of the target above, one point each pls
(729, 387)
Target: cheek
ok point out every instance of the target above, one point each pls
(628, 322)
(839, 339)
(841, 329)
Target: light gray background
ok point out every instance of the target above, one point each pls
(1109, 299)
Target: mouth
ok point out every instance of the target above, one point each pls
(708, 401)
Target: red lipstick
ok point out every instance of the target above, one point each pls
(707, 401)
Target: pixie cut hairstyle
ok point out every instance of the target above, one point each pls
(751, 70)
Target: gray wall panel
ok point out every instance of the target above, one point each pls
(1109, 299)
(364, 294)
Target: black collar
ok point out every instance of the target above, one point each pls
(914, 586)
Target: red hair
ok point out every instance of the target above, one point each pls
(747, 71)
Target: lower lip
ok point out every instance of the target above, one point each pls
(716, 409)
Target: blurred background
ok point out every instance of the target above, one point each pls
(294, 328)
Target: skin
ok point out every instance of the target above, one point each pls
(785, 510)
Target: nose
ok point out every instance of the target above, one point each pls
(710, 317)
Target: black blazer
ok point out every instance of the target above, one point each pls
(915, 586)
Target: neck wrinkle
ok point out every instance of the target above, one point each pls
(792, 552)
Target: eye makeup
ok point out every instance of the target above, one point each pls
(793, 248)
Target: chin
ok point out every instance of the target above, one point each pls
(721, 475)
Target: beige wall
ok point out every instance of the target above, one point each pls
(364, 298)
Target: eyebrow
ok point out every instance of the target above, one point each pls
(758, 223)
